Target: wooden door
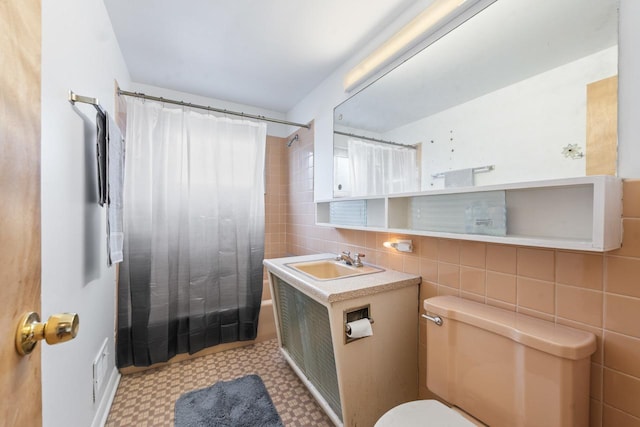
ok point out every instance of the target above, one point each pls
(20, 46)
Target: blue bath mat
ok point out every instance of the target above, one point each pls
(243, 402)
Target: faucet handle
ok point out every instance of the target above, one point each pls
(356, 259)
(347, 253)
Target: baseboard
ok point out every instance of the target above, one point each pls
(100, 419)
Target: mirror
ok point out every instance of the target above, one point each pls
(524, 90)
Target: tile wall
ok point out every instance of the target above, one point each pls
(275, 202)
(276, 186)
(591, 291)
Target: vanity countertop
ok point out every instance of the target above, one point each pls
(338, 289)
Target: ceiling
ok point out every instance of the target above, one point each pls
(268, 54)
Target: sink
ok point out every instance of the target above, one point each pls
(329, 269)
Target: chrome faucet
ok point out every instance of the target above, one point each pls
(346, 257)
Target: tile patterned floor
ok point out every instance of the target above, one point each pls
(148, 398)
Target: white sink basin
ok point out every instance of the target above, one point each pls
(329, 269)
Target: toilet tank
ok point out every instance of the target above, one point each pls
(506, 368)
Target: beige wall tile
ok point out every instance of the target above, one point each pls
(371, 240)
(500, 304)
(411, 265)
(581, 305)
(395, 261)
(472, 280)
(622, 275)
(345, 236)
(622, 353)
(429, 247)
(630, 238)
(473, 254)
(622, 391)
(501, 287)
(334, 248)
(446, 290)
(622, 314)
(501, 258)
(535, 313)
(449, 274)
(536, 263)
(449, 250)
(473, 297)
(275, 217)
(631, 198)
(429, 269)
(380, 239)
(359, 238)
(382, 259)
(535, 294)
(612, 417)
(579, 269)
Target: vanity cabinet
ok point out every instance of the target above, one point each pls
(355, 380)
(575, 213)
(305, 334)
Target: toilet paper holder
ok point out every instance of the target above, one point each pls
(347, 329)
(353, 314)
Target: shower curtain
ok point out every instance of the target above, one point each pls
(194, 232)
(381, 169)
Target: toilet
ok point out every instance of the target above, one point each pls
(499, 368)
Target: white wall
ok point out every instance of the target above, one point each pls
(79, 52)
(320, 102)
(629, 90)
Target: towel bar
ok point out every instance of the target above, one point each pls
(74, 97)
(479, 169)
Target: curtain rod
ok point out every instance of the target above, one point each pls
(381, 141)
(206, 107)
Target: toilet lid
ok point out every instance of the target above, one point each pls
(421, 413)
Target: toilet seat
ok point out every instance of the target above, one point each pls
(421, 413)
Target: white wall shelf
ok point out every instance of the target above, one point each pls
(574, 213)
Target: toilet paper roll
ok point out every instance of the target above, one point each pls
(359, 328)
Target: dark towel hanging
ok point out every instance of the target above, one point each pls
(101, 156)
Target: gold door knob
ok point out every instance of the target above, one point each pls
(59, 328)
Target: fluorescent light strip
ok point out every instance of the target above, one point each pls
(434, 17)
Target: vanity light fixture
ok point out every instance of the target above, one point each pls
(400, 245)
(436, 16)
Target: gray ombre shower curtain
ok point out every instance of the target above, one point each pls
(194, 232)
